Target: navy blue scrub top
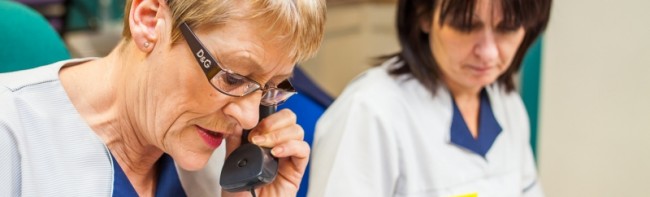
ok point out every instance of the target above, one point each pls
(168, 182)
(488, 128)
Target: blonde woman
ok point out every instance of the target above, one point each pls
(146, 119)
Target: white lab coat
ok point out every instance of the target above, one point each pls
(388, 136)
(47, 149)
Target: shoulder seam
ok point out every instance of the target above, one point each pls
(15, 89)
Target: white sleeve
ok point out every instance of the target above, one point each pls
(354, 152)
(9, 164)
(532, 187)
(10, 176)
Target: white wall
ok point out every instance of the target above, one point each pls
(595, 99)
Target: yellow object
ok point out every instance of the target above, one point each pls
(475, 194)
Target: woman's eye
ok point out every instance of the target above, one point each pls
(463, 26)
(508, 27)
(233, 80)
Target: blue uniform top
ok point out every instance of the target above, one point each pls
(488, 128)
(168, 182)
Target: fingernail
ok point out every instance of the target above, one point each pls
(258, 139)
(277, 150)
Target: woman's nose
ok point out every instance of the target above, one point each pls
(486, 48)
(245, 110)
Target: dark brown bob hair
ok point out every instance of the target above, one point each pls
(416, 53)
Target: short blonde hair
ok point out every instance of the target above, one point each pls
(299, 23)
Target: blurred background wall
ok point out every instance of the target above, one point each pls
(594, 134)
(356, 32)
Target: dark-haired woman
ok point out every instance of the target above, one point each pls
(441, 117)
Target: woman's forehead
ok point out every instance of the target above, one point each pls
(238, 49)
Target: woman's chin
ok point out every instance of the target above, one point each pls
(192, 163)
(482, 81)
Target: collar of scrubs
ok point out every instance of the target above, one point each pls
(488, 128)
(168, 182)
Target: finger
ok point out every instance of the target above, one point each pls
(277, 120)
(296, 149)
(293, 157)
(279, 136)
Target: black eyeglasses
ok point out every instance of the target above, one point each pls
(230, 83)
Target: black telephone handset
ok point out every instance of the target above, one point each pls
(249, 166)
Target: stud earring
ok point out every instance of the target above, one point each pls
(146, 44)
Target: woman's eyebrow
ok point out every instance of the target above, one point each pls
(284, 76)
(251, 65)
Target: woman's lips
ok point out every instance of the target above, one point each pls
(211, 138)
(479, 69)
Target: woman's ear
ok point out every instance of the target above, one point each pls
(425, 23)
(143, 19)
